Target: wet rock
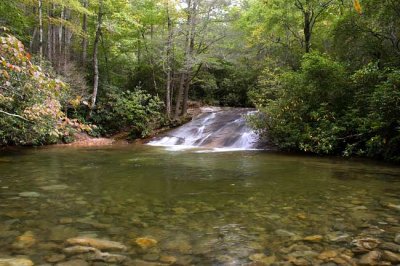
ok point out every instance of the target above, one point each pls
(328, 254)
(151, 257)
(393, 206)
(15, 262)
(299, 262)
(96, 243)
(49, 246)
(29, 194)
(397, 239)
(54, 187)
(106, 257)
(284, 233)
(365, 243)
(225, 259)
(55, 258)
(179, 210)
(178, 245)
(390, 246)
(338, 237)
(66, 220)
(304, 254)
(94, 224)
(261, 257)
(73, 263)
(78, 250)
(168, 259)
(61, 232)
(138, 262)
(314, 238)
(25, 241)
(146, 242)
(16, 214)
(390, 256)
(371, 258)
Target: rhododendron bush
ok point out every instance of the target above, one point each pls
(30, 109)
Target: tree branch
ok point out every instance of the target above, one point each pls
(15, 115)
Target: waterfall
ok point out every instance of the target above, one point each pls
(218, 129)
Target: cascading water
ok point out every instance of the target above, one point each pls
(217, 129)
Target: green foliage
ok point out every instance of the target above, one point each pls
(136, 111)
(323, 109)
(30, 110)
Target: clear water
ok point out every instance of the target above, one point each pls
(202, 208)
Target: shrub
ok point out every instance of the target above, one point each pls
(135, 110)
(30, 110)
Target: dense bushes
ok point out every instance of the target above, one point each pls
(30, 109)
(324, 109)
(136, 111)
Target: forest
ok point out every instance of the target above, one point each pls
(324, 75)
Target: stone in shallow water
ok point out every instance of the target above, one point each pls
(390, 246)
(145, 242)
(78, 250)
(24, 241)
(284, 233)
(61, 232)
(55, 258)
(54, 187)
(397, 238)
(328, 254)
(390, 256)
(15, 262)
(29, 194)
(314, 238)
(261, 257)
(96, 243)
(73, 263)
(371, 258)
(168, 259)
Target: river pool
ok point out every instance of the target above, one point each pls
(197, 208)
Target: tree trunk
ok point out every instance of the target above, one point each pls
(190, 57)
(95, 58)
(67, 41)
(84, 30)
(40, 31)
(179, 96)
(307, 31)
(169, 67)
(53, 36)
(33, 39)
(60, 39)
(186, 67)
(49, 36)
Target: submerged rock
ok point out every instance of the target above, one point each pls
(328, 254)
(96, 243)
(397, 238)
(371, 258)
(55, 258)
(168, 259)
(146, 242)
(29, 194)
(390, 256)
(24, 241)
(77, 262)
(314, 238)
(284, 233)
(261, 257)
(15, 262)
(78, 250)
(54, 187)
(61, 232)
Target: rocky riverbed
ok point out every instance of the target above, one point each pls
(72, 217)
